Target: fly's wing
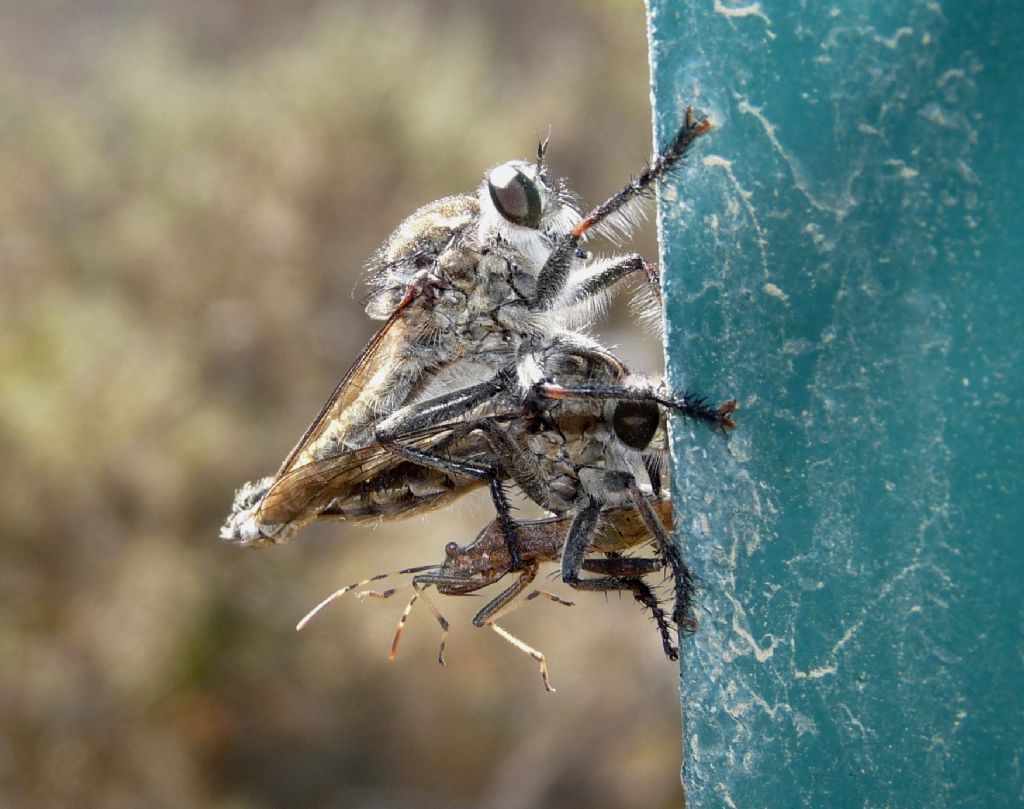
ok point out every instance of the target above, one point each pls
(386, 372)
(360, 483)
(307, 490)
(349, 388)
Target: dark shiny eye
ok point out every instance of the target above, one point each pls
(515, 196)
(635, 423)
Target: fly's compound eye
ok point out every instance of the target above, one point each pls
(515, 196)
(635, 423)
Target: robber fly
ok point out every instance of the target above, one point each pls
(466, 279)
(590, 441)
(486, 561)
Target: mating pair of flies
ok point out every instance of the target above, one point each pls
(497, 285)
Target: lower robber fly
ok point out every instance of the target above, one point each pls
(486, 561)
(575, 448)
(468, 279)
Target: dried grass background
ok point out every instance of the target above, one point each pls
(188, 192)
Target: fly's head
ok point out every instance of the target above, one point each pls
(639, 424)
(467, 266)
(622, 451)
(522, 205)
(635, 423)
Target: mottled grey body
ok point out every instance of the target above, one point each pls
(474, 281)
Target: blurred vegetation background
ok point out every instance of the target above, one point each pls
(188, 192)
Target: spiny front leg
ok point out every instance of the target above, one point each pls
(573, 562)
(681, 576)
(615, 215)
(634, 569)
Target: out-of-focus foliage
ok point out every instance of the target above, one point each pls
(187, 195)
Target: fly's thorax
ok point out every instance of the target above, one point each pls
(474, 299)
(401, 367)
(449, 311)
(457, 267)
(415, 246)
(494, 313)
(498, 282)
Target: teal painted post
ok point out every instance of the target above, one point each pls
(844, 256)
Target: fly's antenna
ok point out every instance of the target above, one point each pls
(542, 150)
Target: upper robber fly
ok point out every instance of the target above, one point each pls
(468, 278)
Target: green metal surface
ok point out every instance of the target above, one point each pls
(844, 256)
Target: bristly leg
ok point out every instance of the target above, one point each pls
(653, 275)
(509, 526)
(682, 579)
(669, 158)
(633, 568)
(613, 216)
(646, 597)
(573, 561)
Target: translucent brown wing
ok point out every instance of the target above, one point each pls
(306, 490)
(350, 386)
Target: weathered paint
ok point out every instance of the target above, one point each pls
(844, 257)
